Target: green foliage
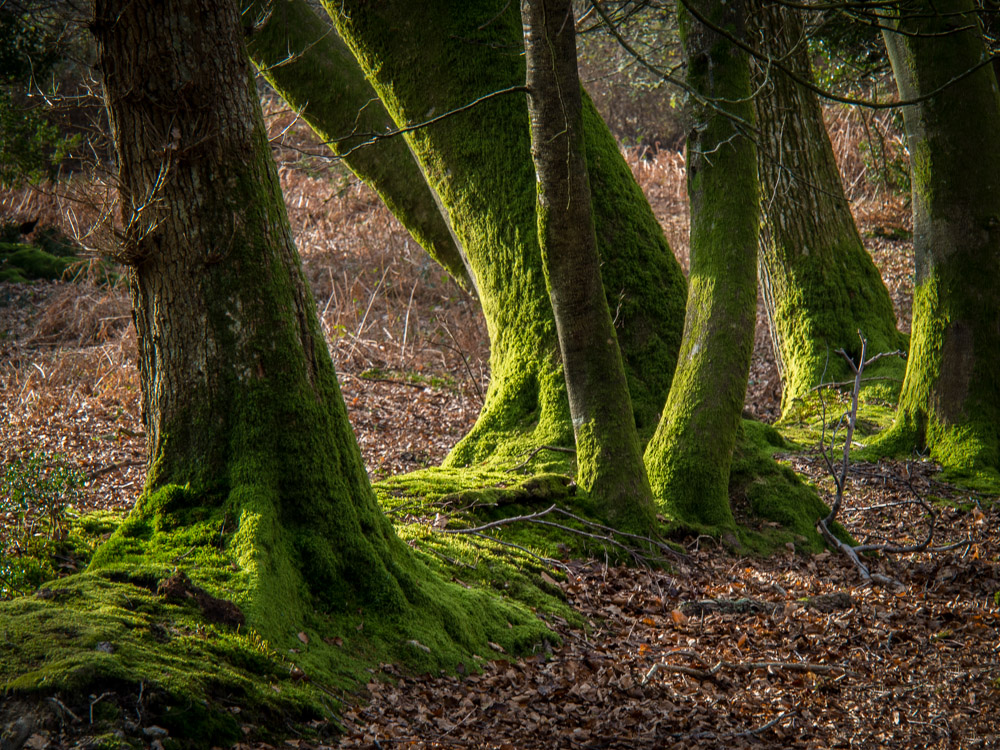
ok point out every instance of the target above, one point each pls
(36, 494)
(848, 56)
(634, 102)
(21, 263)
(31, 147)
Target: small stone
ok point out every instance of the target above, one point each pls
(155, 731)
(105, 647)
(37, 742)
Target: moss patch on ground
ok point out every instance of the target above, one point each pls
(23, 263)
(189, 655)
(771, 503)
(452, 500)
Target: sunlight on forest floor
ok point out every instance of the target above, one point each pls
(912, 668)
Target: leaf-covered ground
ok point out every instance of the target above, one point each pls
(765, 665)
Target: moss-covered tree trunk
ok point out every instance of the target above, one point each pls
(689, 457)
(244, 416)
(301, 56)
(950, 401)
(428, 59)
(609, 460)
(820, 285)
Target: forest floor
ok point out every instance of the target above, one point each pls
(772, 666)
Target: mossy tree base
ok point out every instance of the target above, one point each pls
(115, 629)
(950, 401)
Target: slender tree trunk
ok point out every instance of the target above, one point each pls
(241, 404)
(951, 395)
(305, 61)
(426, 60)
(820, 285)
(689, 457)
(609, 461)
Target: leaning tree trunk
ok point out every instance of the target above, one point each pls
(820, 286)
(609, 460)
(426, 60)
(243, 413)
(305, 61)
(951, 395)
(688, 458)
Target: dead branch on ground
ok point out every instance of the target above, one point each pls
(840, 477)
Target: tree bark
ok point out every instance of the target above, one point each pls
(305, 61)
(689, 457)
(609, 461)
(950, 401)
(426, 60)
(243, 412)
(820, 285)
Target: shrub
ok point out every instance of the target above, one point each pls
(36, 494)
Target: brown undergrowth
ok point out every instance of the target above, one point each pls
(908, 668)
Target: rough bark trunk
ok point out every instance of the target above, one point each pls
(243, 412)
(950, 401)
(820, 285)
(305, 61)
(609, 460)
(689, 457)
(428, 59)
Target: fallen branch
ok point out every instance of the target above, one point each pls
(539, 449)
(713, 672)
(840, 477)
(607, 538)
(114, 467)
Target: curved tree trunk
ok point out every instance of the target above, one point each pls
(609, 461)
(244, 416)
(305, 61)
(820, 285)
(689, 457)
(951, 395)
(441, 58)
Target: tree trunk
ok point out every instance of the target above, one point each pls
(820, 285)
(689, 457)
(951, 395)
(244, 416)
(305, 61)
(426, 60)
(609, 461)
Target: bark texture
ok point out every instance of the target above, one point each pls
(241, 404)
(609, 460)
(950, 401)
(303, 58)
(689, 457)
(427, 59)
(820, 286)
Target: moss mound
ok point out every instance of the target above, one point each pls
(773, 506)
(170, 612)
(23, 263)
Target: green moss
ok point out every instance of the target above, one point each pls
(478, 162)
(771, 503)
(27, 262)
(257, 492)
(689, 456)
(951, 413)
(642, 279)
(317, 75)
(822, 300)
(950, 402)
(198, 669)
